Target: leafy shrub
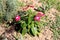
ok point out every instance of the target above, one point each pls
(28, 24)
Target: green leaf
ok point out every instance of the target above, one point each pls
(23, 24)
(29, 20)
(33, 29)
(24, 31)
(36, 22)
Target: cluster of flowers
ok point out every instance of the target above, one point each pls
(36, 18)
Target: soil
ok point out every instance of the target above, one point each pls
(46, 34)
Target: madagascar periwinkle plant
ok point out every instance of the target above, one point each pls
(30, 23)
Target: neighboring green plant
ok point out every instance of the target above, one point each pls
(2, 9)
(56, 28)
(9, 8)
(58, 6)
(47, 4)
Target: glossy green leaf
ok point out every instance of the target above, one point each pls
(24, 31)
(33, 29)
(23, 24)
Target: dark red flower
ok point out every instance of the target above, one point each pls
(17, 18)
